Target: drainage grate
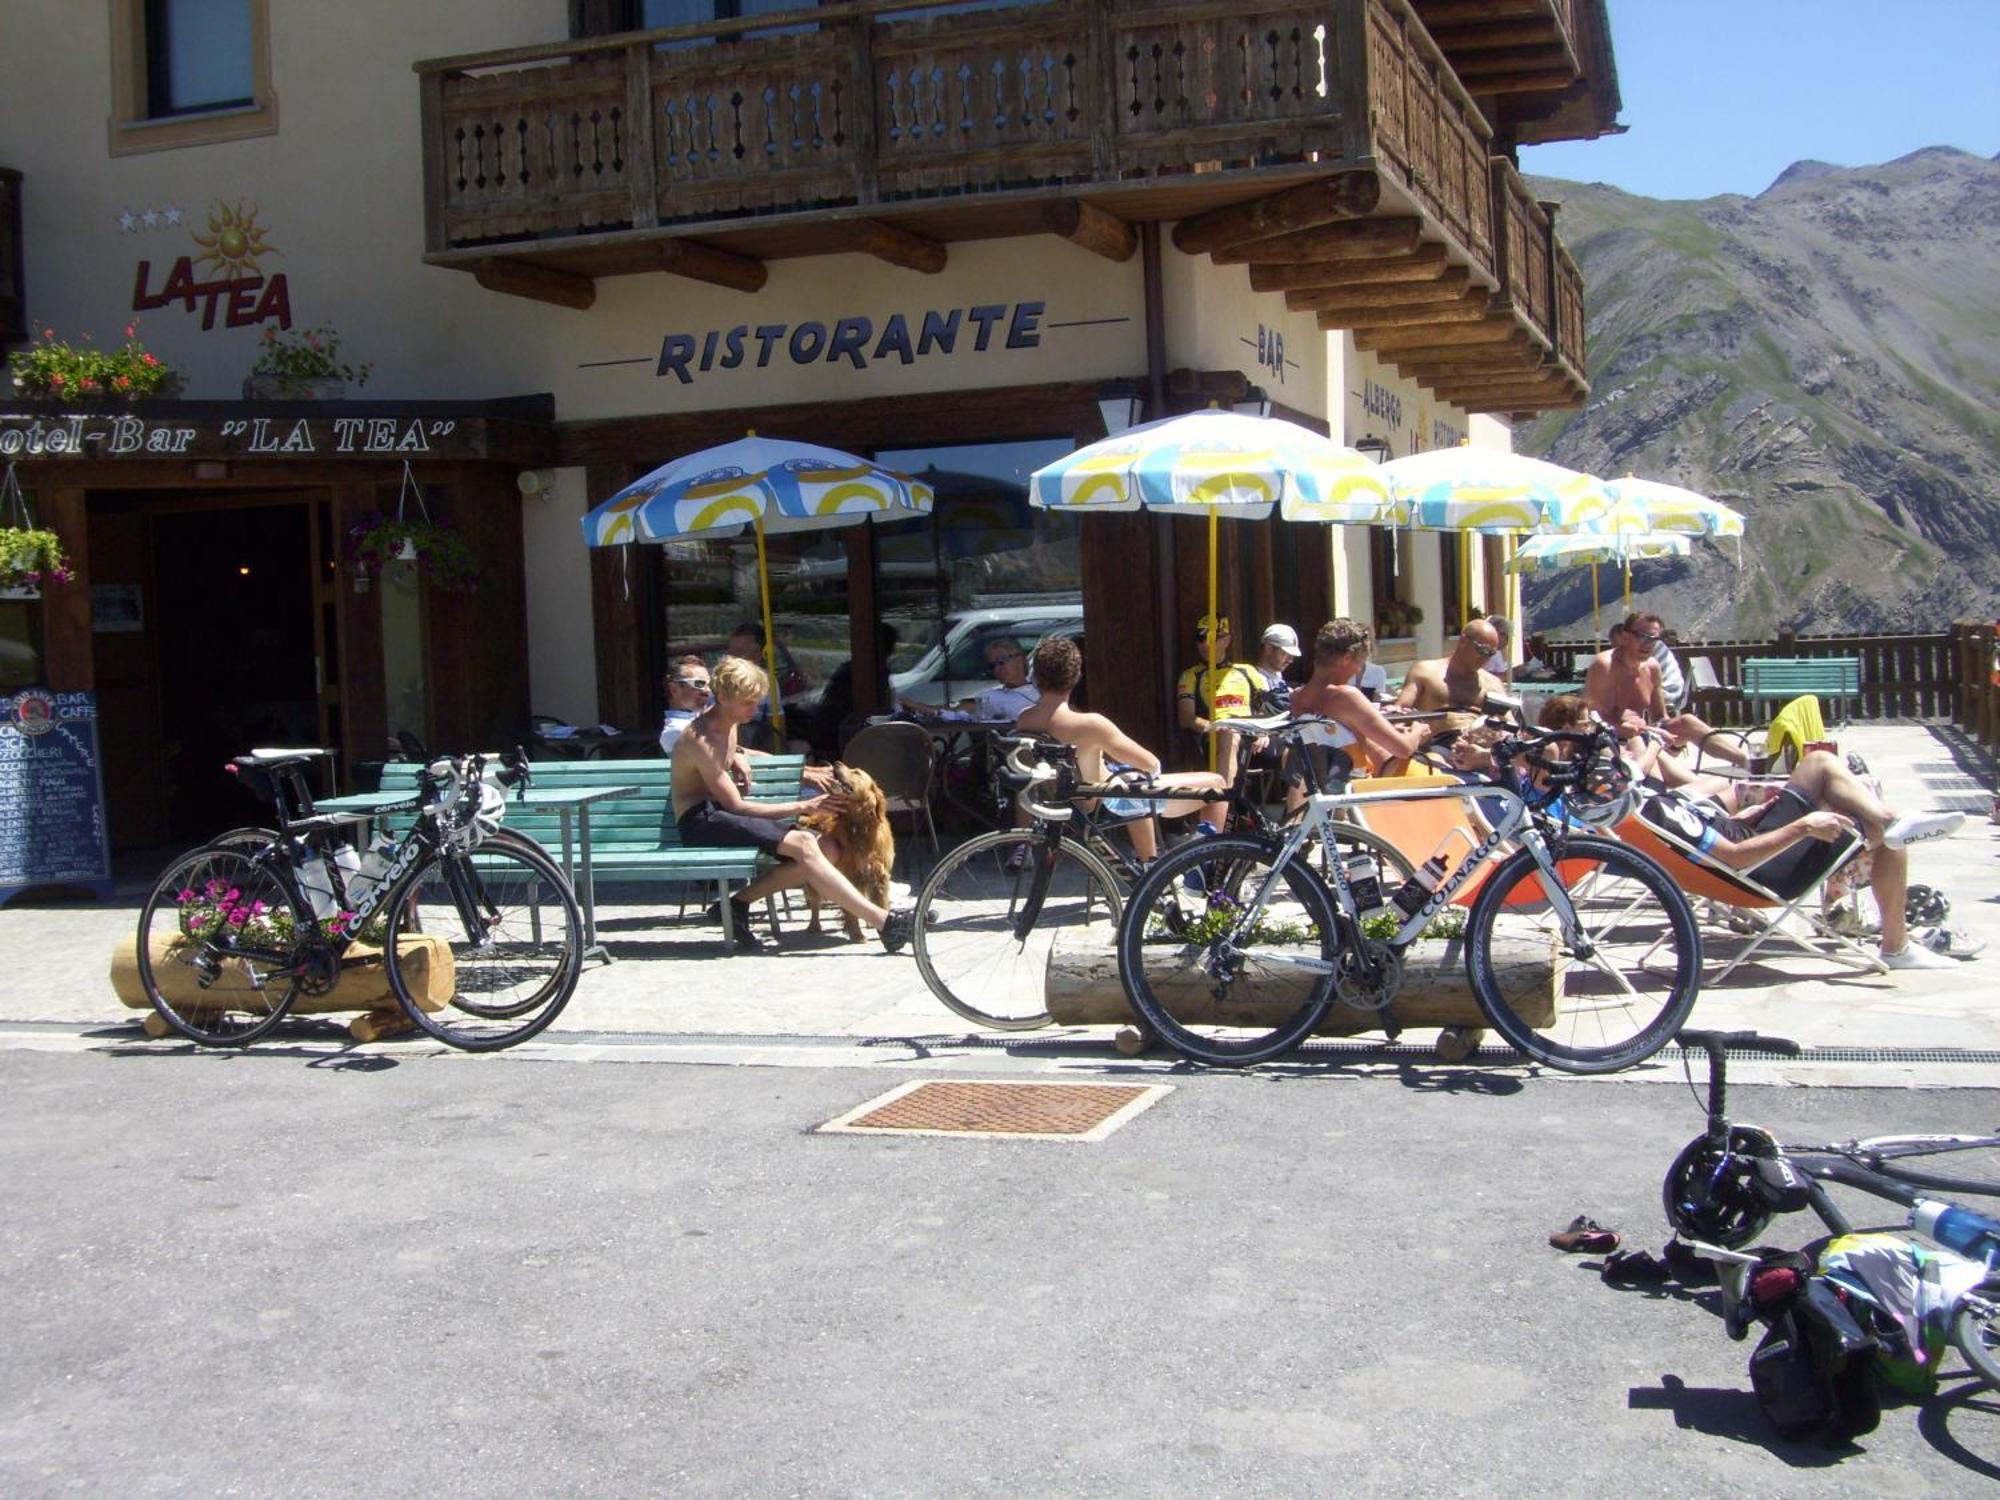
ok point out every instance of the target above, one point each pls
(1020, 1111)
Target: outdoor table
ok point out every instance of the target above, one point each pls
(1534, 694)
(569, 803)
(596, 744)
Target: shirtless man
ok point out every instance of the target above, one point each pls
(1340, 655)
(1458, 682)
(1624, 685)
(1102, 748)
(709, 775)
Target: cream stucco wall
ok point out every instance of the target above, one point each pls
(1215, 322)
(562, 650)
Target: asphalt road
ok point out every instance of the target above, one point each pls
(273, 1274)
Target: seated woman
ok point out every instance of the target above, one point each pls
(1340, 655)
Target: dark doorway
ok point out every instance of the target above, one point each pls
(236, 653)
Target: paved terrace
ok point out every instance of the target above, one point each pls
(673, 990)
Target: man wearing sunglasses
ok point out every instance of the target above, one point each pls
(1010, 697)
(1202, 696)
(1626, 686)
(688, 694)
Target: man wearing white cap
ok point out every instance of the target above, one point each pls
(1278, 650)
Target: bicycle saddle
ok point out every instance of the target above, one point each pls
(276, 759)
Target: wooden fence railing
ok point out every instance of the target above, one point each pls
(1902, 676)
(1977, 709)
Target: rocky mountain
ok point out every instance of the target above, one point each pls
(1826, 358)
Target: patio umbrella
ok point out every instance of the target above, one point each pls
(1548, 553)
(1216, 463)
(1648, 505)
(768, 484)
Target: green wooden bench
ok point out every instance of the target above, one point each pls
(635, 840)
(1779, 679)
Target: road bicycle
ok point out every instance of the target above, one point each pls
(1728, 1183)
(234, 932)
(994, 907)
(1582, 952)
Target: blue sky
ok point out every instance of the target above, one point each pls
(1722, 95)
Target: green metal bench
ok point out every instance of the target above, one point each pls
(1779, 679)
(635, 840)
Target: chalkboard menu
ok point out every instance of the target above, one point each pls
(51, 794)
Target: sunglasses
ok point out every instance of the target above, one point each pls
(1202, 635)
(694, 682)
(1646, 639)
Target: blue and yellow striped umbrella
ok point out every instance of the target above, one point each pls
(1492, 491)
(768, 484)
(1648, 505)
(1549, 554)
(1217, 463)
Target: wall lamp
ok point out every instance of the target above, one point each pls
(1119, 403)
(1372, 448)
(1256, 402)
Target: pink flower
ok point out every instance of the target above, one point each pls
(131, 330)
(148, 360)
(238, 916)
(215, 888)
(184, 896)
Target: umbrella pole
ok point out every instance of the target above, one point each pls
(770, 641)
(1596, 619)
(1628, 585)
(1214, 621)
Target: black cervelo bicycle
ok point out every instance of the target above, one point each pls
(477, 929)
(995, 906)
(1729, 1182)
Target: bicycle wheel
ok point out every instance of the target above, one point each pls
(217, 947)
(1213, 997)
(1620, 986)
(991, 911)
(509, 924)
(1975, 1328)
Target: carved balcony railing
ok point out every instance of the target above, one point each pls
(1327, 144)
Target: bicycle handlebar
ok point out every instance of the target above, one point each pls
(1715, 1043)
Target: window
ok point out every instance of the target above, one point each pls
(1389, 572)
(188, 72)
(692, 12)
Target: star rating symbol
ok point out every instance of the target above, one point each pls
(150, 218)
(126, 221)
(173, 216)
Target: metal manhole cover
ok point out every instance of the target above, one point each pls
(1019, 1111)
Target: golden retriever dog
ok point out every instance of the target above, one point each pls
(858, 841)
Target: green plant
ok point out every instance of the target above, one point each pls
(257, 924)
(295, 359)
(28, 557)
(52, 367)
(1397, 616)
(439, 552)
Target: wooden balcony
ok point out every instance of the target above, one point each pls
(1329, 146)
(1505, 46)
(13, 297)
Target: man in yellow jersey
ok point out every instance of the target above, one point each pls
(1202, 697)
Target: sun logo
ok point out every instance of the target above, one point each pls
(234, 240)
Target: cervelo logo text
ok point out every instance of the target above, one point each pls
(854, 339)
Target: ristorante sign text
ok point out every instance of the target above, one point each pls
(856, 342)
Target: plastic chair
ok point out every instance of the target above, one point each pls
(903, 759)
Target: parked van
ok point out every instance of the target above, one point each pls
(955, 667)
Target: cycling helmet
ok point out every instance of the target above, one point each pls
(1707, 1198)
(1925, 906)
(485, 818)
(1602, 793)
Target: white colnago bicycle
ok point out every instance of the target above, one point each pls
(1582, 952)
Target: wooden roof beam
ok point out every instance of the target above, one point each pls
(1091, 227)
(1547, 81)
(521, 278)
(899, 247)
(1512, 363)
(1471, 308)
(1474, 37)
(1436, 13)
(1516, 351)
(1365, 239)
(699, 262)
(1425, 263)
(1535, 59)
(1449, 287)
(1384, 341)
(1347, 195)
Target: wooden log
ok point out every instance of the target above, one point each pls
(1425, 263)
(1366, 239)
(1542, 81)
(699, 262)
(899, 247)
(1447, 286)
(1512, 363)
(1091, 227)
(1470, 12)
(1463, 37)
(520, 278)
(426, 963)
(1515, 353)
(1544, 56)
(1345, 195)
(1084, 989)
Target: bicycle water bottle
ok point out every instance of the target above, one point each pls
(316, 879)
(1411, 895)
(1971, 1234)
(1364, 881)
(373, 865)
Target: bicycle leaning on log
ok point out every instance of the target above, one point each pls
(476, 928)
(1582, 952)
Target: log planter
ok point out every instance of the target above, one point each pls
(364, 987)
(1084, 990)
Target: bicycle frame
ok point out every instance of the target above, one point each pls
(1517, 824)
